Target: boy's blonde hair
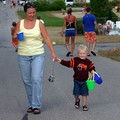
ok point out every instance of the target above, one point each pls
(83, 47)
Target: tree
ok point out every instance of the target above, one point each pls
(99, 8)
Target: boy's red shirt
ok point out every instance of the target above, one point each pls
(81, 67)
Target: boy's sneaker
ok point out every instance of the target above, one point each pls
(85, 108)
(77, 103)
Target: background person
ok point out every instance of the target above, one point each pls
(13, 4)
(104, 28)
(89, 23)
(14, 41)
(84, 9)
(81, 66)
(70, 25)
(39, 18)
(31, 56)
(109, 27)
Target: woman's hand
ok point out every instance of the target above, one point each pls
(58, 60)
(54, 57)
(61, 33)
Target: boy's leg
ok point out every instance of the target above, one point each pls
(84, 102)
(76, 97)
(76, 93)
(85, 93)
(77, 102)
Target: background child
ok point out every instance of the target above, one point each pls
(39, 18)
(81, 66)
(109, 27)
(14, 42)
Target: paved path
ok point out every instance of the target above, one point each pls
(58, 101)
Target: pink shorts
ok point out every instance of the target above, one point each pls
(90, 36)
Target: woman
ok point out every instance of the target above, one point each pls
(70, 25)
(31, 56)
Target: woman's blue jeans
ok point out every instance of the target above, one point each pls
(31, 68)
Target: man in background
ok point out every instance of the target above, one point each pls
(89, 23)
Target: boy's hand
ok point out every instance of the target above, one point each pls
(92, 71)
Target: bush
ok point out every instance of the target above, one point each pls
(79, 27)
(77, 5)
(42, 5)
(114, 18)
(46, 6)
(37, 5)
(115, 3)
(80, 5)
(102, 10)
(58, 5)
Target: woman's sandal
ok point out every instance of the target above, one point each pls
(29, 110)
(36, 111)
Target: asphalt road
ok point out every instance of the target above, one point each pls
(58, 101)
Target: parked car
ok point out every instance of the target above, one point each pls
(22, 2)
(69, 2)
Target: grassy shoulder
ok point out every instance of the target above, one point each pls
(113, 54)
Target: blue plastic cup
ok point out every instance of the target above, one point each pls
(20, 36)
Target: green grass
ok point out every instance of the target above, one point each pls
(21, 14)
(48, 18)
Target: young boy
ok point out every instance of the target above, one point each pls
(81, 66)
(14, 42)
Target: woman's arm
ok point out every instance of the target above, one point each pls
(64, 26)
(47, 39)
(75, 22)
